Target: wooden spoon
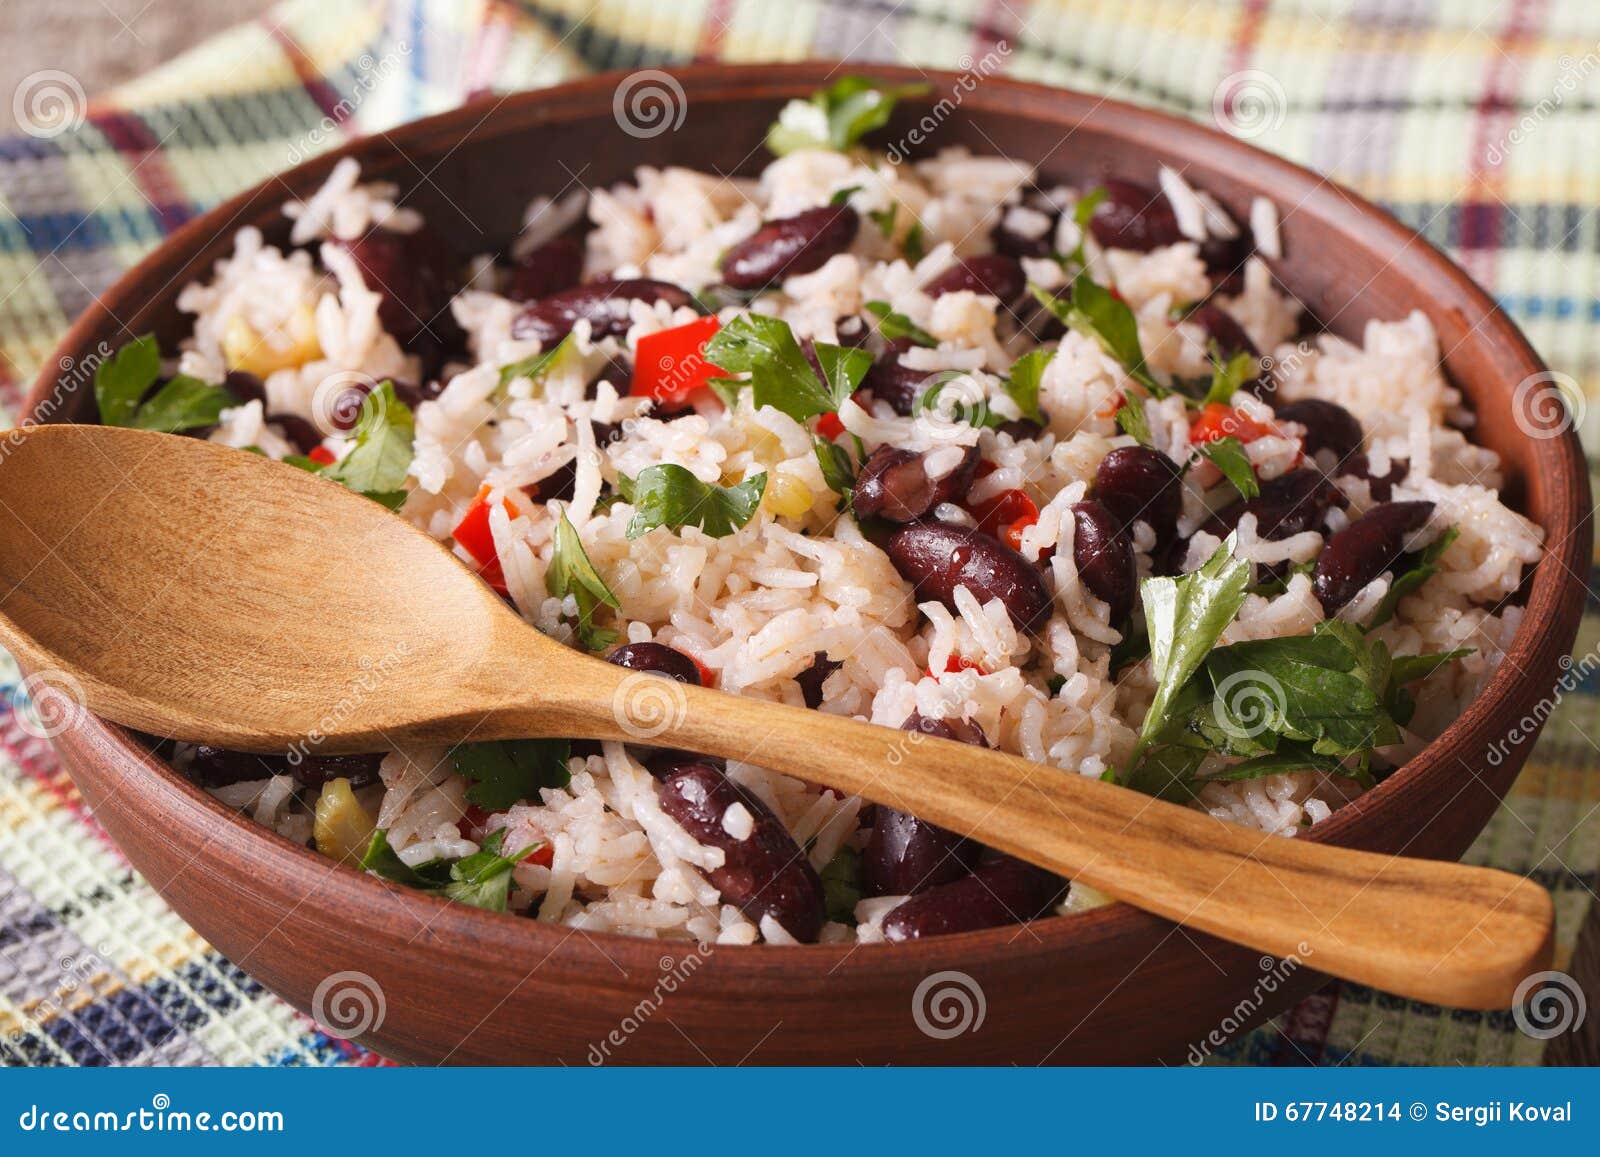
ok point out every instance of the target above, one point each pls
(198, 592)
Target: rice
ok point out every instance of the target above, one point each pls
(756, 606)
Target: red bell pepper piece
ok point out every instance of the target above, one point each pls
(1218, 420)
(473, 535)
(829, 426)
(671, 364)
(322, 456)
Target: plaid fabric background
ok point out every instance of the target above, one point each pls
(1475, 121)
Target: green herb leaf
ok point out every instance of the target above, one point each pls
(1131, 419)
(884, 219)
(1227, 377)
(483, 879)
(838, 471)
(1022, 383)
(571, 573)
(1185, 616)
(1229, 455)
(506, 772)
(1167, 772)
(381, 859)
(538, 366)
(914, 246)
(376, 466)
(184, 403)
(843, 195)
(1094, 310)
(121, 382)
(1407, 582)
(975, 413)
(670, 496)
(1081, 214)
(1409, 668)
(843, 368)
(841, 885)
(780, 376)
(894, 325)
(838, 116)
(1294, 757)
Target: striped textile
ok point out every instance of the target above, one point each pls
(1475, 121)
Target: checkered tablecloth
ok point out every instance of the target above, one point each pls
(1475, 121)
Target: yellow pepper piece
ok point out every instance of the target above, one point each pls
(245, 349)
(342, 826)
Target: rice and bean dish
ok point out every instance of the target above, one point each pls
(1057, 468)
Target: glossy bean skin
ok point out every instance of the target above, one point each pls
(1021, 429)
(604, 304)
(1287, 505)
(765, 874)
(1133, 216)
(903, 854)
(893, 383)
(937, 557)
(1329, 426)
(656, 659)
(1103, 553)
(1364, 550)
(814, 676)
(413, 274)
(301, 434)
(1002, 890)
(894, 484)
(994, 274)
(1138, 484)
(547, 269)
(316, 770)
(1381, 485)
(1221, 328)
(245, 387)
(790, 245)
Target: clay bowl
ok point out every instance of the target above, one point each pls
(1112, 985)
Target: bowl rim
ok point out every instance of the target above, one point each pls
(1555, 597)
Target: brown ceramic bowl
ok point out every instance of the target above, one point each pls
(1112, 985)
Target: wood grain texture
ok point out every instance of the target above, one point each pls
(1111, 985)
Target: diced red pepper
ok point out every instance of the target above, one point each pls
(1012, 534)
(1007, 507)
(1218, 420)
(959, 663)
(671, 364)
(829, 426)
(322, 456)
(472, 821)
(544, 855)
(708, 677)
(473, 535)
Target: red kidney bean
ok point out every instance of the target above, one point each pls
(790, 245)
(894, 484)
(657, 659)
(1225, 258)
(603, 304)
(937, 557)
(904, 854)
(765, 874)
(316, 770)
(1329, 426)
(1364, 550)
(301, 434)
(1002, 890)
(550, 268)
(894, 383)
(1133, 216)
(1221, 328)
(814, 676)
(212, 766)
(1381, 486)
(1103, 553)
(246, 387)
(414, 395)
(616, 371)
(1021, 429)
(1287, 505)
(994, 274)
(414, 274)
(1137, 483)
(560, 485)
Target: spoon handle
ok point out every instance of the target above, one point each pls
(1438, 932)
